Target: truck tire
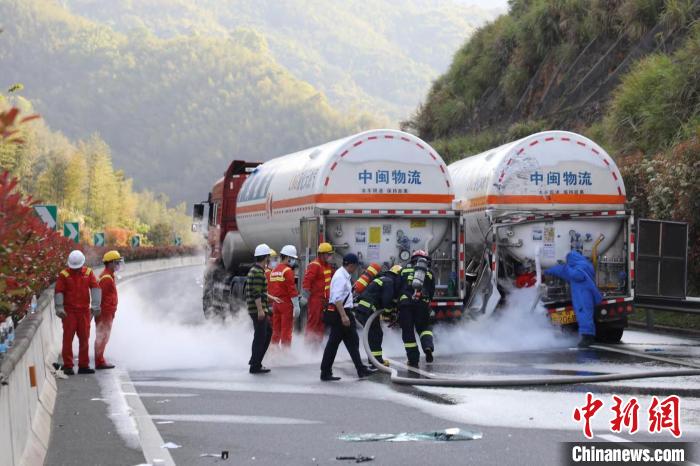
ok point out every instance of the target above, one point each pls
(207, 298)
(236, 297)
(607, 334)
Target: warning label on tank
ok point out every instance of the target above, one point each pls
(537, 234)
(373, 252)
(360, 236)
(375, 235)
(418, 223)
(548, 248)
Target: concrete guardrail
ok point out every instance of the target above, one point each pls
(27, 385)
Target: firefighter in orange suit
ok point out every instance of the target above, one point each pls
(76, 296)
(103, 323)
(316, 288)
(282, 287)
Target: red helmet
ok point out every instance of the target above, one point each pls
(420, 253)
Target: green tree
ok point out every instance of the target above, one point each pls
(161, 234)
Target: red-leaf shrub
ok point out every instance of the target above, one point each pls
(31, 255)
(666, 187)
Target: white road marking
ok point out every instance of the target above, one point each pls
(149, 437)
(162, 395)
(614, 438)
(232, 419)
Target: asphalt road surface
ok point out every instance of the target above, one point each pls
(182, 394)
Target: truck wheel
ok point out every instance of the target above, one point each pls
(207, 300)
(609, 334)
(235, 297)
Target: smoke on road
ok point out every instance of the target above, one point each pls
(160, 325)
(515, 327)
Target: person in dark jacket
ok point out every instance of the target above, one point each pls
(381, 294)
(258, 309)
(578, 272)
(417, 290)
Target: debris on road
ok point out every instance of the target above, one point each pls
(451, 434)
(170, 445)
(223, 455)
(356, 459)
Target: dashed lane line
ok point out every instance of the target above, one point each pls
(149, 437)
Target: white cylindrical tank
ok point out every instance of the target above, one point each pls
(377, 171)
(551, 171)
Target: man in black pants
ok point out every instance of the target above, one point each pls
(382, 293)
(340, 319)
(417, 290)
(258, 309)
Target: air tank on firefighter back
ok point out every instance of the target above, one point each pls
(548, 173)
(374, 172)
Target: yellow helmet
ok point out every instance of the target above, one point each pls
(324, 248)
(273, 253)
(111, 256)
(396, 269)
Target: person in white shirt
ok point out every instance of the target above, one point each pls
(339, 317)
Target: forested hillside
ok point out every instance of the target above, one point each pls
(175, 111)
(179, 88)
(80, 178)
(377, 57)
(624, 72)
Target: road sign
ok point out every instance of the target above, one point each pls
(48, 214)
(178, 241)
(71, 230)
(99, 239)
(135, 241)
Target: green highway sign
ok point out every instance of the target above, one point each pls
(98, 239)
(71, 230)
(48, 214)
(135, 241)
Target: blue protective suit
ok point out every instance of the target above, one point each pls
(578, 272)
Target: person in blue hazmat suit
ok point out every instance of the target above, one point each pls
(578, 272)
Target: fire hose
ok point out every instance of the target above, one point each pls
(436, 380)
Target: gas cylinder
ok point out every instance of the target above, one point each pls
(366, 278)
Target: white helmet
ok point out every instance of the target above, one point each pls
(76, 259)
(289, 251)
(262, 250)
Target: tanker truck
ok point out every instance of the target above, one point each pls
(379, 194)
(525, 205)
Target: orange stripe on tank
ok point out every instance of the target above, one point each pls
(544, 199)
(350, 198)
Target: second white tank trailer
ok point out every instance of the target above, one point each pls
(526, 204)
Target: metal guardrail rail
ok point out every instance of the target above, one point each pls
(690, 304)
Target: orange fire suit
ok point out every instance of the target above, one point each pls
(103, 322)
(282, 286)
(75, 285)
(317, 281)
